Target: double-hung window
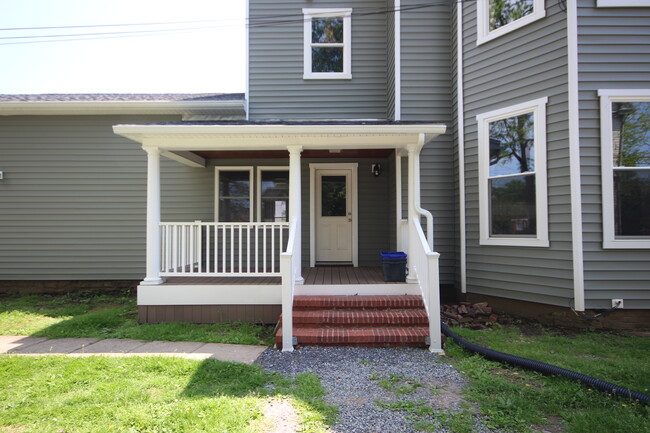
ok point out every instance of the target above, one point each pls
(625, 165)
(273, 193)
(327, 43)
(512, 175)
(234, 194)
(498, 17)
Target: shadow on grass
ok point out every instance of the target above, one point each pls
(216, 378)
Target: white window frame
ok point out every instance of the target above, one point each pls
(607, 97)
(538, 108)
(219, 169)
(258, 186)
(623, 3)
(484, 34)
(346, 13)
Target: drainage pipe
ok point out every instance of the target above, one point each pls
(546, 369)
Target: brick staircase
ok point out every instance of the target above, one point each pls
(375, 321)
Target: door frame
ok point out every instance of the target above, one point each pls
(353, 167)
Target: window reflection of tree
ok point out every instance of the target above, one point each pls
(504, 12)
(631, 149)
(512, 198)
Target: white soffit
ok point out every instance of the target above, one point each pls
(278, 137)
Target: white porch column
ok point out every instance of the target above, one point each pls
(413, 189)
(295, 206)
(153, 217)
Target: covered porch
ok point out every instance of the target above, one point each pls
(264, 264)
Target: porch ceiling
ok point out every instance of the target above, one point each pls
(261, 137)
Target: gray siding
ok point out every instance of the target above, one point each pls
(426, 96)
(74, 194)
(613, 53)
(277, 89)
(535, 59)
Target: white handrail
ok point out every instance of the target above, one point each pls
(289, 265)
(212, 249)
(425, 213)
(425, 264)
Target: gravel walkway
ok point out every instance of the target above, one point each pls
(357, 379)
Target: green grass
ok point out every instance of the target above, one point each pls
(518, 400)
(158, 395)
(111, 316)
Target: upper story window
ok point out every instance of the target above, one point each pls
(498, 17)
(512, 175)
(327, 44)
(622, 3)
(625, 165)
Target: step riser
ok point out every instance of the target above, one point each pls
(360, 318)
(378, 337)
(301, 303)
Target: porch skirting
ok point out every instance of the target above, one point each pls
(267, 314)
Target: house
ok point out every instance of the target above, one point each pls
(502, 145)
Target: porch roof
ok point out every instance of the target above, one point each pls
(197, 136)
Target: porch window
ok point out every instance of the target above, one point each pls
(273, 190)
(498, 17)
(234, 194)
(625, 161)
(327, 44)
(512, 171)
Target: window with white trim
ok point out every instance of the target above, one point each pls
(327, 43)
(273, 193)
(622, 3)
(625, 165)
(234, 194)
(512, 175)
(498, 17)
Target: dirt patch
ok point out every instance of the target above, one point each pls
(12, 429)
(554, 425)
(279, 417)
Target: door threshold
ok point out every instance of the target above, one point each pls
(334, 264)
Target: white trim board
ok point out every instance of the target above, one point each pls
(460, 127)
(622, 3)
(354, 167)
(209, 294)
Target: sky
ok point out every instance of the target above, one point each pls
(199, 57)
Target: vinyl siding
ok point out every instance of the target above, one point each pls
(277, 89)
(526, 64)
(613, 53)
(426, 96)
(74, 195)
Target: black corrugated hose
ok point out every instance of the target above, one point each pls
(547, 369)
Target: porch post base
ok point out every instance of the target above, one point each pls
(152, 281)
(411, 280)
(300, 280)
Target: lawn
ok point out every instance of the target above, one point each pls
(62, 395)
(111, 316)
(522, 401)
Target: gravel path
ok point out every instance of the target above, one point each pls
(357, 379)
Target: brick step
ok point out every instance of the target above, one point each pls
(360, 302)
(368, 337)
(360, 318)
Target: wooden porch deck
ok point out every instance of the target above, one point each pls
(322, 275)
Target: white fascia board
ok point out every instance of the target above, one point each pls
(622, 3)
(116, 107)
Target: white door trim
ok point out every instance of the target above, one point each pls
(353, 167)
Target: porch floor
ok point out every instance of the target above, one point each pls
(325, 275)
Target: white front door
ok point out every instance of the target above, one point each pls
(333, 211)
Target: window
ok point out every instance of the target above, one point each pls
(625, 165)
(273, 193)
(512, 175)
(327, 46)
(622, 3)
(498, 17)
(234, 194)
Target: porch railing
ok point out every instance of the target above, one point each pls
(290, 266)
(425, 265)
(222, 249)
